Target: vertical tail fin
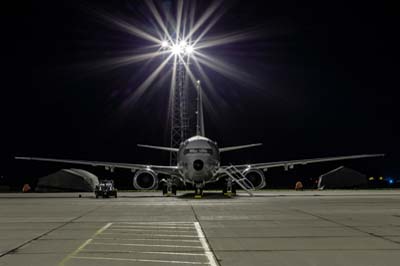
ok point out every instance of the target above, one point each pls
(199, 112)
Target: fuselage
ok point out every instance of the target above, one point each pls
(198, 159)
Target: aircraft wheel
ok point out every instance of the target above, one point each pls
(224, 189)
(233, 189)
(164, 189)
(198, 193)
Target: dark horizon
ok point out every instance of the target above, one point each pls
(326, 86)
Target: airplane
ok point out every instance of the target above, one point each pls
(199, 163)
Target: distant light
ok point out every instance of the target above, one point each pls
(381, 178)
(390, 181)
(164, 44)
(371, 178)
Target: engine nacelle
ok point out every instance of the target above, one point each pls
(145, 180)
(256, 177)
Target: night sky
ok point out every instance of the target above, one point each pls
(325, 75)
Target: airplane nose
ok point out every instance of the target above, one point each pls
(198, 165)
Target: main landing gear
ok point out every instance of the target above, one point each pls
(169, 188)
(229, 188)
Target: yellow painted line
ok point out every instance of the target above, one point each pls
(81, 247)
(142, 260)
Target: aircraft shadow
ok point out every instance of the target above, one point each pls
(206, 195)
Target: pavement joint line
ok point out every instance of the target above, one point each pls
(141, 260)
(288, 237)
(13, 250)
(309, 250)
(142, 245)
(81, 247)
(350, 227)
(204, 243)
(226, 250)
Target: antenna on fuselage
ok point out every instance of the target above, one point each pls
(199, 112)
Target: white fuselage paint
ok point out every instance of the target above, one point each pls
(199, 160)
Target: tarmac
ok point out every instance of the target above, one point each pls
(360, 227)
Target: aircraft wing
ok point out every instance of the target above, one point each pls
(290, 164)
(168, 170)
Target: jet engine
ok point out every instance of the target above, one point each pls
(256, 177)
(145, 180)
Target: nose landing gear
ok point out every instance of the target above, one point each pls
(198, 192)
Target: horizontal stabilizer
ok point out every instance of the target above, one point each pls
(239, 147)
(159, 148)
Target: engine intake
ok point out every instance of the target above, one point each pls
(145, 180)
(256, 177)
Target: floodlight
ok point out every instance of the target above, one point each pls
(164, 44)
(189, 49)
(176, 49)
(183, 43)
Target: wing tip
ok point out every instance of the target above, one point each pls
(22, 158)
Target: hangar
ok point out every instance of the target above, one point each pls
(342, 177)
(76, 180)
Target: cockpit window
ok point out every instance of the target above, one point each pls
(208, 151)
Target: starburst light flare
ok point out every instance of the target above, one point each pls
(183, 36)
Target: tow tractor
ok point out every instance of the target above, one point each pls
(105, 189)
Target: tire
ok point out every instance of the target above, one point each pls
(164, 189)
(224, 189)
(233, 189)
(199, 191)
